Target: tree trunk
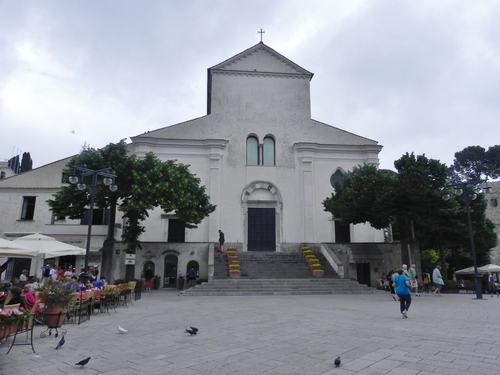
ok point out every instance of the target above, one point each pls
(444, 271)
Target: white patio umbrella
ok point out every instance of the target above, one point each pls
(493, 268)
(466, 271)
(49, 247)
(12, 249)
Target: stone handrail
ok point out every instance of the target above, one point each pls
(332, 259)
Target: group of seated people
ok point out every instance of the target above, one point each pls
(27, 302)
(78, 286)
(25, 295)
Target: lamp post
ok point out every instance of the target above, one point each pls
(93, 189)
(462, 190)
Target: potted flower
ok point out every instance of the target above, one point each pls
(56, 298)
(12, 320)
(110, 291)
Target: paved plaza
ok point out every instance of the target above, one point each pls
(453, 334)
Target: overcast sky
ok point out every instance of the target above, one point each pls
(416, 76)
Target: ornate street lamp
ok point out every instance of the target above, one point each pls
(462, 190)
(93, 189)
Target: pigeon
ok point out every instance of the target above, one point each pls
(191, 332)
(337, 362)
(83, 362)
(61, 342)
(194, 329)
(122, 330)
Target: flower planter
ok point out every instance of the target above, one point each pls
(233, 260)
(234, 274)
(318, 273)
(20, 327)
(55, 315)
(11, 330)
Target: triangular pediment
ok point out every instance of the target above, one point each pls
(261, 59)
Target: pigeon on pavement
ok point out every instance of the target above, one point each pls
(337, 361)
(83, 362)
(191, 332)
(194, 329)
(61, 342)
(122, 330)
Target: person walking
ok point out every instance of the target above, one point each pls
(412, 274)
(221, 240)
(391, 275)
(437, 279)
(191, 276)
(492, 286)
(426, 280)
(403, 289)
(148, 275)
(405, 270)
(45, 273)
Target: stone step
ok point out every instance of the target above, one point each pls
(272, 273)
(273, 293)
(268, 265)
(242, 287)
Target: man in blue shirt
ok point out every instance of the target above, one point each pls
(73, 285)
(99, 284)
(403, 287)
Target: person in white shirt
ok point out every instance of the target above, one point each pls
(53, 273)
(24, 277)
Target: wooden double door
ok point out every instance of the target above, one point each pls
(261, 229)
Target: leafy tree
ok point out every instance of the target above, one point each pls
(474, 163)
(143, 184)
(429, 259)
(26, 162)
(382, 199)
(14, 164)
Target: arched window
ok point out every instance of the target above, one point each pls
(336, 177)
(252, 151)
(268, 151)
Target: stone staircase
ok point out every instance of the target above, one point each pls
(271, 273)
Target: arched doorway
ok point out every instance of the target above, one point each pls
(262, 208)
(148, 264)
(170, 273)
(192, 264)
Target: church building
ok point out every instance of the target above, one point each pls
(266, 165)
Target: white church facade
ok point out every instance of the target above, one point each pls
(265, 163)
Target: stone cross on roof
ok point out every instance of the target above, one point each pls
(261, 32)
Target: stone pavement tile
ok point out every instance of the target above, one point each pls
(399, 371)
(475, 354)
(282, 370)
(482, 370)
(405, 358)
(386, 364)
(418, 366)
(448, 371)
(376, 355)
(299, 360)
(371, 371)
(356, 364)
(493, 361)
(436, 361)
(476, 363)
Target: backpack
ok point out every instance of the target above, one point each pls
(46, 272)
